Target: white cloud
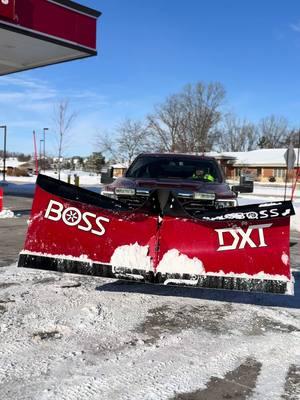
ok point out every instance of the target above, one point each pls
(26, 82)
(28, 104)
(36, 95)
(295, 27)
(10, 97)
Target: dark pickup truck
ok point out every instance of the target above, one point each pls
(197, 181)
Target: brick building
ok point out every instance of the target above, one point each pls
(263, 164)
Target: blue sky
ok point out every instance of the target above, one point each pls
(150, 49)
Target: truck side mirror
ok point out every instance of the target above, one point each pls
(243, 188)
(235, 190)
(246, 184)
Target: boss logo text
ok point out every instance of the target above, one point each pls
(71, 216)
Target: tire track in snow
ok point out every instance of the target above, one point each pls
(159, 378)
(277, 359)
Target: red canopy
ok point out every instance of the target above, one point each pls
(36, 33)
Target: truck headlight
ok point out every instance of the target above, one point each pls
(125, 192)
(108, 193)
(224, 203)
(204, 196)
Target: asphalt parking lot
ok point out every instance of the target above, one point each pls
(13, 230)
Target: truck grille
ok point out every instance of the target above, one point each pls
(133, 201)
(190, 205)
(193, 206)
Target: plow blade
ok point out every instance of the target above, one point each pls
(74, 230)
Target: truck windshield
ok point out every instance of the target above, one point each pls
(174, 168)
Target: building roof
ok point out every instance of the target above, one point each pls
(119, 166)
(263, 158)
(260, 158)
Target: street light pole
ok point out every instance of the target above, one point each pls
(41, 140)
(4, 127)
(44, 149)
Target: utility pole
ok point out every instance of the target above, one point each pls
(4, 127)
(35, 155)
(41, 163)
(44, 149)
(298, 169)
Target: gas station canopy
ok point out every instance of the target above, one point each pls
(35, 33)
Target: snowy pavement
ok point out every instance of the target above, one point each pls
(68, 337)
(25, 186)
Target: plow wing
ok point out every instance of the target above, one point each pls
(78, 231)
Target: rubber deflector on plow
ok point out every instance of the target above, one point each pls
(243, 248)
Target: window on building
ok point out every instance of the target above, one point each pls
(279, 173)
(238, 171)
(258, 172)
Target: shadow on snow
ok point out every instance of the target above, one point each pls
(231, 296)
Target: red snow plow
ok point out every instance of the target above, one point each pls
(242, 248)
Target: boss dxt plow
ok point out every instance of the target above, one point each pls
(78, 231)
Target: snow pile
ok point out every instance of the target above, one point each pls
(6, 214)
(175, 263)
(132, 256)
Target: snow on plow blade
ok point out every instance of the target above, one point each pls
(78, 231)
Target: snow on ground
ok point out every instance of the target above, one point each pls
(85, 178)
(6, 214)
(69, 337)
(276, 190)
(295, 220)
(26, 185)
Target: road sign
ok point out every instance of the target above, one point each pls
(290, 157)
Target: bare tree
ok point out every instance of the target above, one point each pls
(187, 121)
(293, 138)
(132, 139)
(273, 132)
(63, 120)
(129, 139)
(202, 103)
(166, 125)
(237, 135)
(107, 145)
